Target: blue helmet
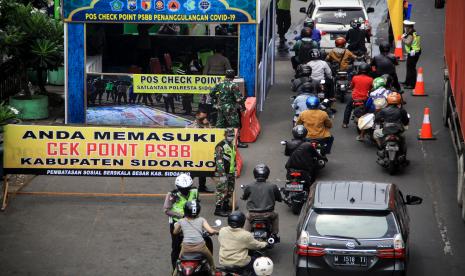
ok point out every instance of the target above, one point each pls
(312, 102)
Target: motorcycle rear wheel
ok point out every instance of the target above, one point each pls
(392, 167)
(295, 208)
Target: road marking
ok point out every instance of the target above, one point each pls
(434, 191)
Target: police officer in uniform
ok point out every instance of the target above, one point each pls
(413, 48)
(174, 209)
(225, 158)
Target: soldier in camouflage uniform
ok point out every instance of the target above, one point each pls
(227, 99)
(225, 158)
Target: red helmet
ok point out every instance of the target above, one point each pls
(340, 42)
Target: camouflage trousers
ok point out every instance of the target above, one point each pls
(225, 189)
(228, 119)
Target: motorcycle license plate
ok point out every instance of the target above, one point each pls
(350, 260)
(294, 187)
(395, 148)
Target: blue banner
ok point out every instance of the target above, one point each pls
(160, 11)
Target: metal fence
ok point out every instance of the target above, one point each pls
(10, 83)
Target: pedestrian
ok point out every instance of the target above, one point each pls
(201, 121)
(168, 99)
(217, 64)
(121, 92)
(227, 99)
(132, 95)
(174, 209)
(225, 159)
(283, 19)
(412, 42)
(109, 90)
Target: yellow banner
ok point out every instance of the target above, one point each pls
(396, 13)
(192, 84)
(109, 151)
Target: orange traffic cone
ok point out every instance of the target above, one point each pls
(420, 85)
(398, 51)
(426, 132)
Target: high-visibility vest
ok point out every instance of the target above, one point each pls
(416, 44)
(178, 206)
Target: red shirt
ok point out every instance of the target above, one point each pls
(361, 86)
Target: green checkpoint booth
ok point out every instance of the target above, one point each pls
(104, 37)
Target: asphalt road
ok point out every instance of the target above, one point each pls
(105, 236)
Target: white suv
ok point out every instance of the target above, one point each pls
(332, 18)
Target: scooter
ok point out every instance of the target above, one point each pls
(194, 263)
(391, 157)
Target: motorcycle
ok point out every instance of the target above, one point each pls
(294, 192)
(391, 157)
(341, 82)
(194, 263)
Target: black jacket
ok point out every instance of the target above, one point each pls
(261, 196)
(291, 146)
(303, 157)
(356, 40)
(385, 64)
(393, 117)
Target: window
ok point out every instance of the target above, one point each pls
(351, 224)
(338, 15)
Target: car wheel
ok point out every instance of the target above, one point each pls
(460, 180)
(439, 4)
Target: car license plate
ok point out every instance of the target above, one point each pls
(395, 148)
(294, 187)
(351, 260)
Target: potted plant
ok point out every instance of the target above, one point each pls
(29, 38)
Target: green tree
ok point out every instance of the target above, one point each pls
(29, 38)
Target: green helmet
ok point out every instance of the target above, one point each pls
(379, 82)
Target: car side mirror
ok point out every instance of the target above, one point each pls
(413, 200)
(370, 10)
(303, 10)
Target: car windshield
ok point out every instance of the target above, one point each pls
(338, 15)
(352, 224)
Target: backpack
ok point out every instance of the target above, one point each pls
(305, 49)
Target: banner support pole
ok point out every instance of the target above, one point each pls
(5, 192)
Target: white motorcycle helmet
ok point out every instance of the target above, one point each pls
(183, 181)
(263, 266)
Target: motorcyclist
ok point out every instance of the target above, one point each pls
(303, 47)
(356, 38)
(385, 63)
(394, 119)
(321, 71)
(299, 103)
(361, 85)
(340, 55)
(261, 198)
(317, 123)
(380, 90)
(174, 209)
(263, 266)
(192, 226)
(302, 76)
(235, 243)
(316, 34)
(302, 155)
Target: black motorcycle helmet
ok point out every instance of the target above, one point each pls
(309, 23)
(299, 132)
(355, 23)
(192, 209)
(230, 74)
(384, 47)
(261, 172)
(363, 68)
(306, 32)
(236, 219)
(315, 54)
(308, 87)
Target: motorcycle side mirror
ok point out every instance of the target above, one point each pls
(408, 115)
(295, 32)
(283, 143)
(242, 187)
(303, 10)
(218, 223)
(413, 200)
